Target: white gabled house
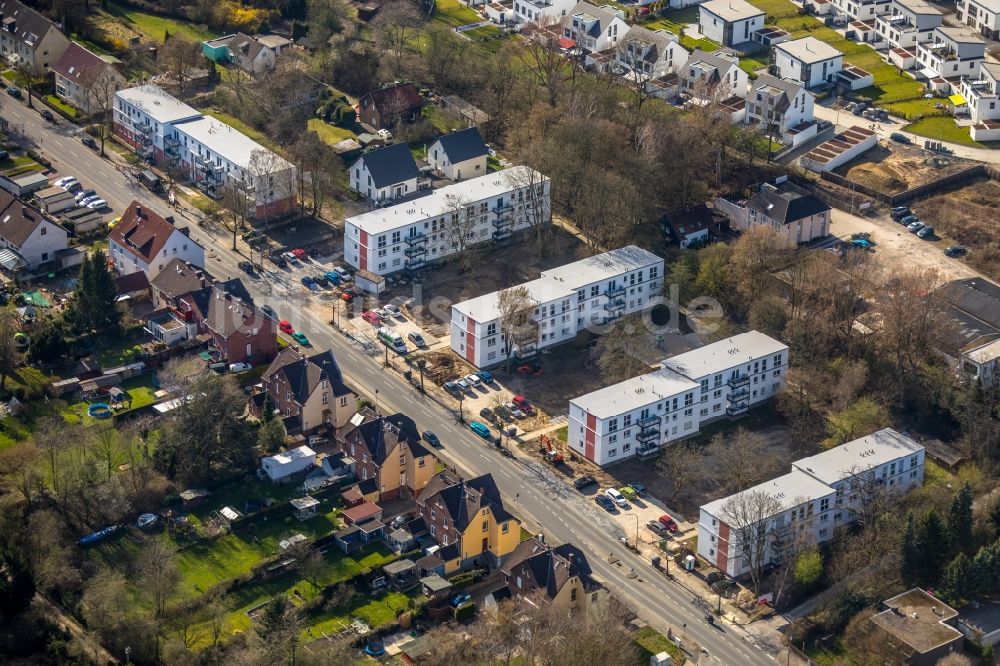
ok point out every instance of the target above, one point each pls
(729, 22)
(28, 239)
(714, 77)
(144, 241)
(541, 12)
(594, 29)
(982, 97)
(649, 53)
(385, 174)
(781, 107)
(459, 155)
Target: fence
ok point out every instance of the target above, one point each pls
(978, 171)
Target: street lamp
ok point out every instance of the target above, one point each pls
(461, 407)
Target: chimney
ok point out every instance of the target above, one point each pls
(138, 212)
(540, 537)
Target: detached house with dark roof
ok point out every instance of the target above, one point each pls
(649, 54)
(27, 36)
(309, 391)
(468, 520)
(782, 107)
(385, 174)
(792, 211)
(387, 451)
(29, 240)
(593, 29)
(714, 77)
(384, 108)
(459, 155)
(536, 573)
(144, 241)
(238, 329)
(86, 80)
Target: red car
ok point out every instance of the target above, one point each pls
(286, 326)
(372, 318)
(347, 297)
(522, 403)
(300, 254)
(668, 522)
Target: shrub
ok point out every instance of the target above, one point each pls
(465, 612)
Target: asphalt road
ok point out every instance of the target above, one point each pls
(531, 490)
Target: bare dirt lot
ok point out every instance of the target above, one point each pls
(899, 168)
(971, 216)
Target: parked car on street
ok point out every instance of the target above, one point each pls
(89, 142)
(47, 115)
(658, 527)
(899, 212)
(97, 204)
(285, 327)
(246, 267)
(14, 92)
(668, 522)
(915, 227)
(584, 482)
(417, 339)
(926, 232)
(239, 367)
(301, 339)
(605, 503)
(269, 312)
(908, 220)
(480, 429)
(899, 138)
(66, 182)
(431, 439)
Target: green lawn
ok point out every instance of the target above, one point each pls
(912, 108)
(674, 20)
(943, 129)
(15, 166)
(330, 134)
(751, 65)
(61, 106)
(156, 27)
(374, 613)
(482, 32)
(453, 13)
(140, 389)
(652, 642)
(118, 353)
(436, 118)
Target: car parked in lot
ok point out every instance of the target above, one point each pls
(239, 367)
(605, 503)
(300, 254)
(639, 488)
(514, 411)
(473, 380)
(393, 310)
(371, 317)
(452, 387)
(431, 439)
(915, 227)
(899, 212)
(522, 403)
(462, 384)
(417, 339)
(277, 260)
(629, 493)
(659, 528)
(84, 194)
(321, 280)
(926, 232)
(486, 377)
(907, 220)
(616, 497)
(301, 339)
(246, 267)
(584, 482)
(309, 283)
(269, 312)
(285, 327)
(334, 278)
(899, 138)
(480, 429)
(290, 258)
(66, 182)
(503, 413)
(96, 203)
(955, 250)
(487, 413)
(345, 276)
(668, 522)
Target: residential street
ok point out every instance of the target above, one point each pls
(546, 503)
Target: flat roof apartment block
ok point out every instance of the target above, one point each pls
(640, 415)
(821, 493)
(411, 234)
(565, 300)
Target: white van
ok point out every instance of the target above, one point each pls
(392, 340)
(616, 497)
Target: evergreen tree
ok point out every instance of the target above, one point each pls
(95, 301)
(955, 581)
(267, 410)
(960, 519)
(48, 344)
(995, 518)
(909, 566)
(933, 547)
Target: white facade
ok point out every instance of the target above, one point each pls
(714, 76)
(951, 53)
(408, 235)
(440, 160)
(363, 183)
(983, 16)
(809, 61)
(293, 461)
(783, 104)
(982, 361)
(568, 299)
(594, 29)
(208, 151)
(541, 12)
(861, 10)
(821, 493)
(639, 415)
(650, 54)
(729, 22)
(983, 94)
(178, 246)
(908, 23)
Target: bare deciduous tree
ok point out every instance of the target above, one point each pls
(518, 327)
(180, 57)
(740, 458)
(751, 516)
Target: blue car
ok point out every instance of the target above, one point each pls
(334, 278)
(480, 429)
(310, 283)
(459, 599)
(485, 376)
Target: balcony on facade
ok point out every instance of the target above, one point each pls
(739, 382)
(412, 264)
(415, 251)
(647, 450)
(614, 291)
(615, 305)
(738, 409)
(739, 394)
(648, 421)
(416, 240)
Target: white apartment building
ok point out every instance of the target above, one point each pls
(951, 53)
(983, 16)
(639, 415)
(729, 22)
(821, 493)
(212, 154)
(594, 29)
(541, 12)
(809, 61)
(983, 94)
(781, 106)
(650, 54)
(908, 23)
(408, 235)
(592, 291)
(861, 10)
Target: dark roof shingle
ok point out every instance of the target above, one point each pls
(786, 203)
(463, 145)
(80, 66)
(304, 373)
(142, 231)
(390, 165)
